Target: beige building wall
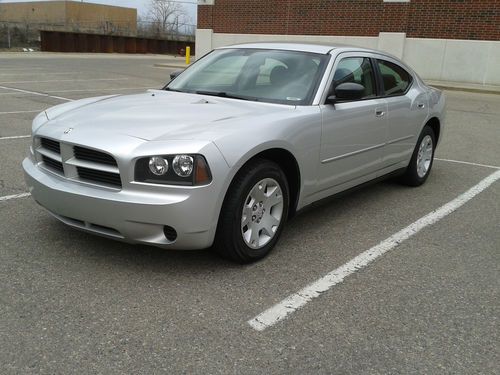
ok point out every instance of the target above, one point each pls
(72, 16)
(34, 12)
(96, 15)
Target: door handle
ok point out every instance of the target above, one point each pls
(379, 113)
(421, 105)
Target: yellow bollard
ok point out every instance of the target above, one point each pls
(188, 55)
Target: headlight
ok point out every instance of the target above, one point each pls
(183, 165)
(158, 165)
(188, 170)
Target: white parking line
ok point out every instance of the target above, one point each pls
(87, 90)
(292, 303)
(44, 73)
(66, 80)
(468, 163)
(108, 89)
(14, 68)
(15, 137)
(14, 112)
(8, 197)
(35, 93)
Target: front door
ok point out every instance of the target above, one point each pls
(353, 132)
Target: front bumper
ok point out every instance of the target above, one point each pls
(134, 216)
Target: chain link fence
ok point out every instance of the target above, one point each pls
(14, 36)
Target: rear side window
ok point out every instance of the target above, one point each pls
(396, 80)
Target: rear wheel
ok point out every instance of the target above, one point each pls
(421, 161)
(254, 212)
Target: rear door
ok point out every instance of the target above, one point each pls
(353, 132)
(406, 112)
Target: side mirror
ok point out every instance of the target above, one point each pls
(346, 91)
(175, 74)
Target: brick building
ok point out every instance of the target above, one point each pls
(456, 40)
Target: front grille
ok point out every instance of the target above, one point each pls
(88, 154)
(51, 145)
(102, 177)
(53, 164)
(78, 163)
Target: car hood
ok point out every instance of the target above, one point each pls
(158, 115)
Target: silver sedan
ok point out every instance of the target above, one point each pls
(234, 145)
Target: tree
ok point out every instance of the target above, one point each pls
(165, 15)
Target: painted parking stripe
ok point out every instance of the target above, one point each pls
(13, 68)
(106, 89)
(14, 112)
(35, 73)
(66, 80)
(14, 196)
(294, 302)
(36, 93)
(468, 163)
(15, 137)
(87, 90)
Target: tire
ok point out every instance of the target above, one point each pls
(247, 231)
(420, 165)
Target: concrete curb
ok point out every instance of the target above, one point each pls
(457, 86)
(172, 65)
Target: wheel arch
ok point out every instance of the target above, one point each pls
(435, 125)
(290, 166)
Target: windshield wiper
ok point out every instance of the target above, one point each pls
(169, 89)
(224, 94)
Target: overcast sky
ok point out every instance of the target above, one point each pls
(141, 5)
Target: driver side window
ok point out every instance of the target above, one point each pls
(356, 70)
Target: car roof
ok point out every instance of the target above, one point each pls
(297, 46)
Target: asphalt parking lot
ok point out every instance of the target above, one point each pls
(72, 302)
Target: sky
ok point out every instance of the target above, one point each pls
(140, 5)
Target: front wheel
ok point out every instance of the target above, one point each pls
(421, 161)
(254, 212)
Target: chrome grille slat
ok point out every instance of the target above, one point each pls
(53, 164)
(51, 145)
(88, 154)
(95, 175)
(50, 154)
(93, 165)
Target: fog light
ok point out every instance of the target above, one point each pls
(170, 233)
(158, 166)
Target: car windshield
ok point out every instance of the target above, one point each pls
(273, 76)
